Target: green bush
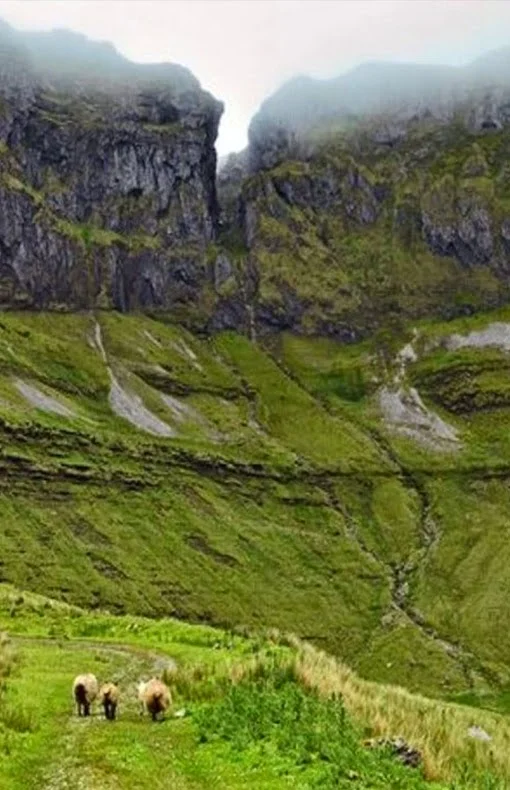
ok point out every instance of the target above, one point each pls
(272, 716)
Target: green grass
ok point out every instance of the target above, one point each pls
(284, 500)
(463, 584)
(298, 421)
(187, 364)
(314, 743)
(199, 549)
(261, 711)
(258, 714)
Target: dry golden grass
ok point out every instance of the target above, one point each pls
(438, 729)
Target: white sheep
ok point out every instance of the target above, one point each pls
(85, 690)
(141, 698)
(154, 697)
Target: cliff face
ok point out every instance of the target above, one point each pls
(346, 239)
(107, 188)
(383, 193)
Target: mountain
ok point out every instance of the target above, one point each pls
(382, 193)
(108, 193)
(285, 412)
(404, 90)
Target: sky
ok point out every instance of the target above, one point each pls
(243, 50)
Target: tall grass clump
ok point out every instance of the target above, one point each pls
(268, 716)
(14, 716)
(315, 715)
(7, 660)
(440, 730)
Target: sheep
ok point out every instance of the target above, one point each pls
(109, 698)
(85, 691)
(155, 697)
(141, 692)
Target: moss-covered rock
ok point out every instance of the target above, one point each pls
(107, 182)
(352, 234)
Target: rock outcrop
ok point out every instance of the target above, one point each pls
(107, 179)
(383, 192)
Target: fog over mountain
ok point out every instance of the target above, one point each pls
(378, 87)
(242, 52)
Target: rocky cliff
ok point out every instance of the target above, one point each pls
(107, 186)
(385, 192)
(353, 234)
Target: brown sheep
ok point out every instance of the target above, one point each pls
(84, 692)
(155, 697)
(141, 691)
(109, 698)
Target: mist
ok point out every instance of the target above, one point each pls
(243, 51)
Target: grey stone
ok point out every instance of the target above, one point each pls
(479, 734)
(222, 270)
(110, 198)
(402, 751)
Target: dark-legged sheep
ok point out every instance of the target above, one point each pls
(84, 692)
(155, 697)
(109, 698)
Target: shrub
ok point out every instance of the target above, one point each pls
(271, 712)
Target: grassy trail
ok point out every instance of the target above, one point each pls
(52, 749)
(260, 712)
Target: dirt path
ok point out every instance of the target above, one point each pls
(159, 661)
(68, 771)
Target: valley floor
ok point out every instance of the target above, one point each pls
(248, 712)
(355, 495)
(64, 751)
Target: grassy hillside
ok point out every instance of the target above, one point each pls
(248, 712)
(150, 471)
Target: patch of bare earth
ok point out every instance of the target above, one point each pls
(41, 400)
(128, 405)
(131, 408)
(405, 411)
(496, 335)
